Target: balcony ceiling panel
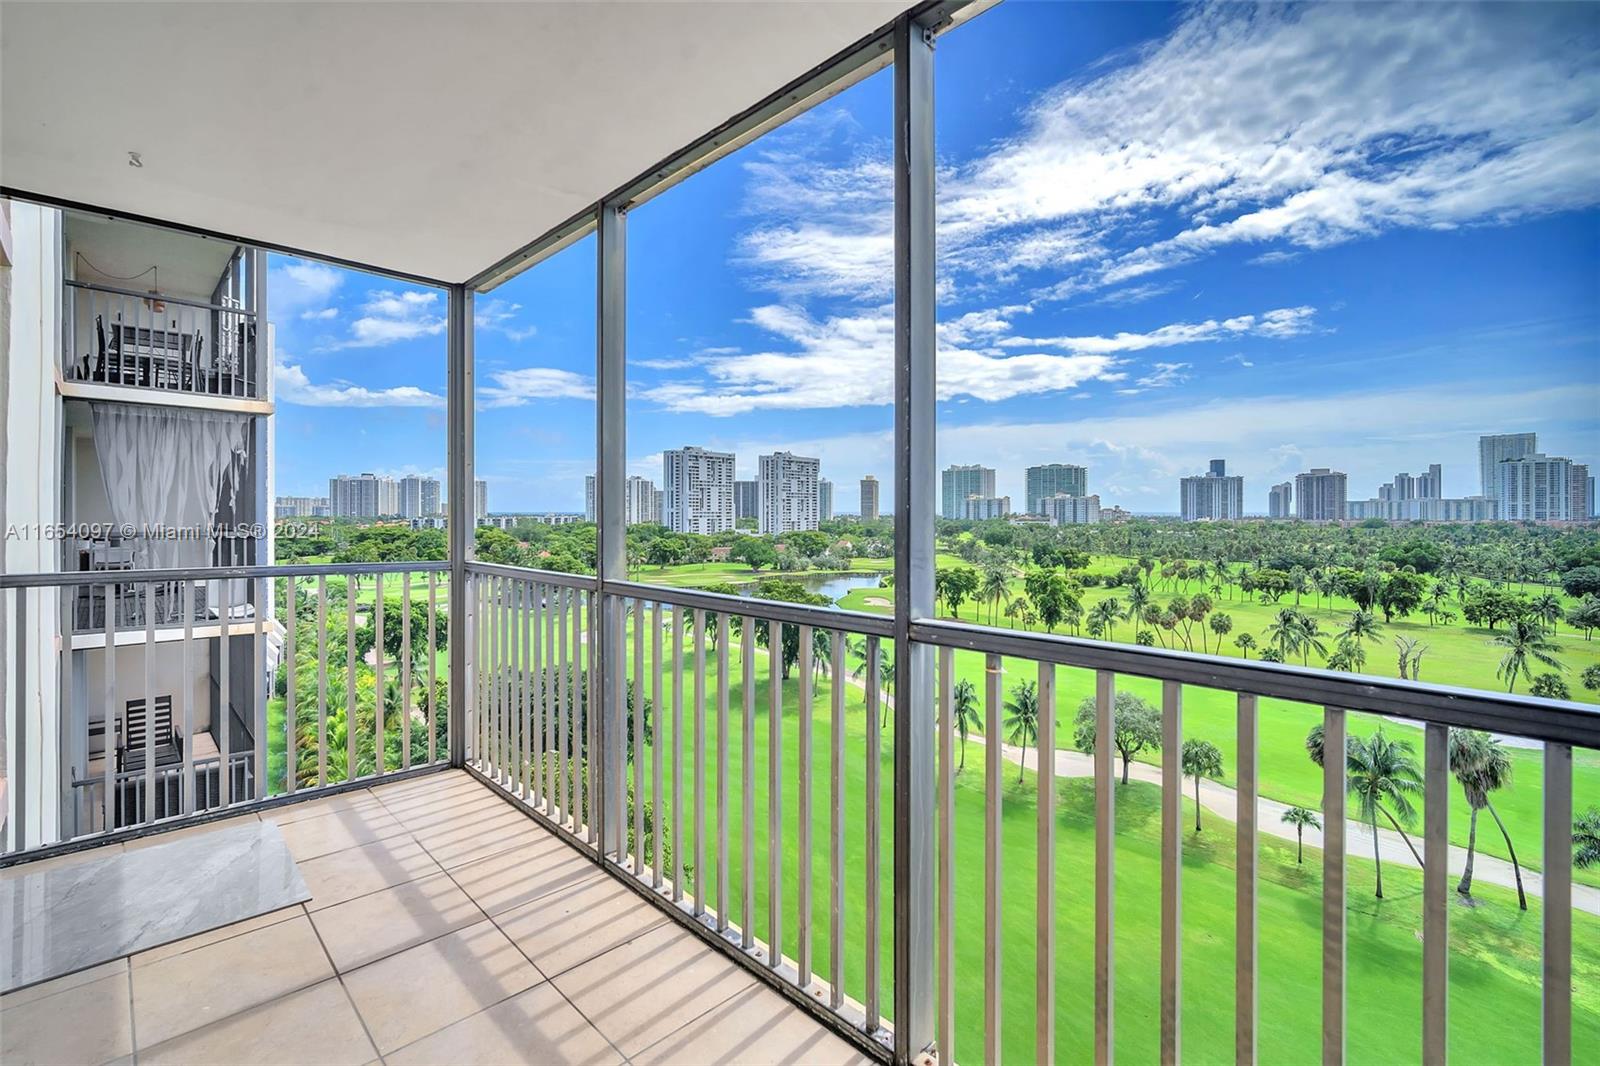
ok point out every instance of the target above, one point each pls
(429, 139)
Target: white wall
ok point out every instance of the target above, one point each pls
(32, 429)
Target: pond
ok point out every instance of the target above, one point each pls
(833, 586)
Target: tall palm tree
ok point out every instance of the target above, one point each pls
(1382, 773)
(1547, 609)
(1525, 643)
(1200, 758)
(1360, 627)
(1107, 612)
(1482, 766)
(1586, 839)
(965, 715)
(1283, 632)
(995, 587)
(1245, 642)
(1300, 817)
(1022, 719)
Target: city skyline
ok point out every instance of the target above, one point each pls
(1219, 313)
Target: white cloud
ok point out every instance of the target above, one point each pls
(1291, 128)
(1280, 323)
(515, 388)
(322, 315)
(1162, 376)
(293, 386)
(1236, 357)
(297, 284)
(498, 316)
(387, 317)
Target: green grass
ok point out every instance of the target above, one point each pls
(691, 575)
(1458, 655)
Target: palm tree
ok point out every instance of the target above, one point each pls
(1547, 609)
(1361, 626)
(1300, 817)
(1482, 766)
(965, 715)
(1200, 759)
(1525, 643)
(1245, 642)
(1380, 771)
(1022, 719)
(1106, 612)
(1283, 632)
(996, 587)
(1221, 624)
(1586, 839)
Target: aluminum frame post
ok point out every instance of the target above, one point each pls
(611, 443)
(914, 428)
(462, 518)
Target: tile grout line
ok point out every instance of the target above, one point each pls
(337, 976)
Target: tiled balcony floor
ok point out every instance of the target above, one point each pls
(444, 927)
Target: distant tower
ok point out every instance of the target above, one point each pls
(869, 499)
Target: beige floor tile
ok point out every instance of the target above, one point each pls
(490, 833)
(87, 1022)
(754, 1028)
(423, 783)
(300, 810)
(651, 986)
(62, 983)
(212, 936)
(337, 830)
(444, 809)
(393, 919)
(573, 924)
(344, 875)
(185, 992)
(422, 989)
(167, 836)
(525, 873)
(538, 1027)
(315, 1025)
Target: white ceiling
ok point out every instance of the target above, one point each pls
(430, 138)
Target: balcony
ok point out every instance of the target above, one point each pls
(443, 925)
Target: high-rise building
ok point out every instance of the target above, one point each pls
(1423, 509)
(1494, 448)
(1064, 510)
(746, 499)
(591, 508)
(1213, 495)
(1320, 495)
(869, 499)
(961, 482)
(1053, 479)
(697, 490)
(983, 508)
(1582, 488)
(480, 500)
(363, 496)
(1430, 486)
(1534, 488)
(301, 507)
(641, 500)
(1280, 500)
(824, 500)
(787, 486)
(418, 496)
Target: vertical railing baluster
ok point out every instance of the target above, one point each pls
(529, 711)
(1435, 894)
(564, 706)
(291, 697)
(552, 704)
(593, 668)
(1333, 885)
(677, 751)
(993, 852)
(836, 824)
(536, 695)
(225, 696)
(774, 793)
(110, 715)
(697, 625)
(873, 827)
(1246, 849)
(322, 680)
(351, 590)
(1104, 859)
(656, 745)
(148, 591)
(405, 669)
(1171, 872)
(803, 895)
(1556, 968)
(946, 1031)
(377, 677)
(747, 915)
(186, 697)
(263, 597)
(433, 668)
(581, 822)
(1045, 890)
(641, 726)
(723, 627)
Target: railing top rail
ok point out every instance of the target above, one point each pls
(80, 578)
(113, 290)
(872, 625)
(1512, 714)
(529, 573)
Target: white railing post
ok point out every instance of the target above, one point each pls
(610, 793)
(463, 516)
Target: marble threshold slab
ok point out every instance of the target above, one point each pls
(72, 914)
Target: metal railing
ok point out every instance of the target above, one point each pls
(148, 340)
(320, 651)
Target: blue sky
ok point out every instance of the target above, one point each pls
(1353, 236)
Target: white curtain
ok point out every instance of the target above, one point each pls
(164, 466)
